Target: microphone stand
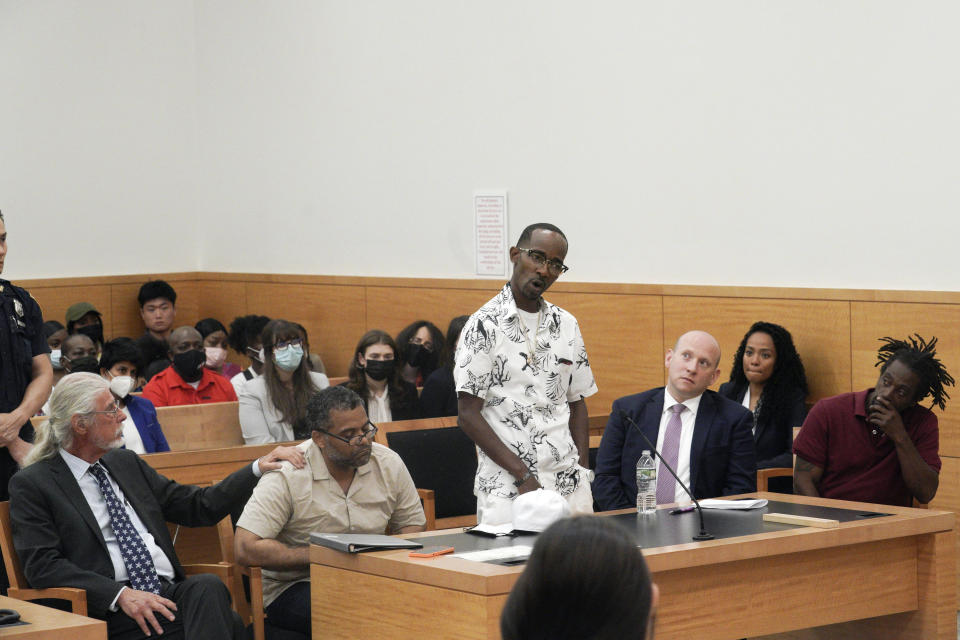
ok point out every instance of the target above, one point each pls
(703, 535)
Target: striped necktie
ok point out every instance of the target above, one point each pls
(666, 484)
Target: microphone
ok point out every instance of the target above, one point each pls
(703, 535)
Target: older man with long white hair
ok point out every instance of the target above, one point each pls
(87, 513)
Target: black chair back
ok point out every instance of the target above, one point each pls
(444, 460)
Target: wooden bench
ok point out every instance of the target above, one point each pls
(201, 426)
(194, 426)
(203, 468)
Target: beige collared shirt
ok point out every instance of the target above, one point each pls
(290, 504)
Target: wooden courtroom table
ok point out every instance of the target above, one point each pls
(50, 623)
(886, 577)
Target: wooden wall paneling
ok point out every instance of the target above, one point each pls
(393, 308)
(333, 315)
(948, 494)
(125, 310)
(873, 320)
(622, 335)
(54, 301)
(820, 330)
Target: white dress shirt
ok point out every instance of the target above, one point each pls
(131, 435)
(687, 419)
(746, 404)
(378, 407)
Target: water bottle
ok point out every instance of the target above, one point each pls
(646, 484)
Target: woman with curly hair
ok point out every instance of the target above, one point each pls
(419, 350)
(768, 379)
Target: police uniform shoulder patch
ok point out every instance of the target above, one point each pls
(35, 301)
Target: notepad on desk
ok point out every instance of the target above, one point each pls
(501, 555)
(737, 505)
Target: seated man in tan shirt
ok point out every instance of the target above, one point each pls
(349, 485)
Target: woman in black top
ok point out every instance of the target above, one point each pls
(439, 395)
(375, 376)
(768, 379)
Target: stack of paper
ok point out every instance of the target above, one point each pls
(733, 504)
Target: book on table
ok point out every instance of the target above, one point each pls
(360, 542)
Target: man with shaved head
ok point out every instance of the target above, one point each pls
(187, 381)
(707, 438)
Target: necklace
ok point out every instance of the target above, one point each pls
(531, 346)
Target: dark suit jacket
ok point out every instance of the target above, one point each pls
(58, 540)
(773, 439)
(721, 456)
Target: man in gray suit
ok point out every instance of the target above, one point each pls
(91, 515)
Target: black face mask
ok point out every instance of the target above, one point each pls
(418, 356)
(380, 369)
(189, 364)
(88, 364)
(92, 331)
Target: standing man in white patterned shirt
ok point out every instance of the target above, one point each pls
(522, 376)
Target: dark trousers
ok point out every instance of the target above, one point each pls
(291, 610)
(203, 612)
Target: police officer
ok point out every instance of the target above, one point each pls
(26, 375)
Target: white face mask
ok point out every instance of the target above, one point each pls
(55, 359)
(121, 386)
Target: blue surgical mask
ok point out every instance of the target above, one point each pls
(289, 357)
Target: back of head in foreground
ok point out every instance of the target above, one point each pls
(586, 580)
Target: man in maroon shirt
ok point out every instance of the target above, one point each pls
(187, 381)
(878, 445)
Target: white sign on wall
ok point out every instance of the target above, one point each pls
(490, 232)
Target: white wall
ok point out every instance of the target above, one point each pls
(794, 143)
(98, 137)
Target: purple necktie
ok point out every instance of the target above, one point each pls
(666, 484)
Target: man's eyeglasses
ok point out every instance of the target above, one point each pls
(115, 411)
(554, 266)
(355, 441)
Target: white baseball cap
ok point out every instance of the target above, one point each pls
(536, 510)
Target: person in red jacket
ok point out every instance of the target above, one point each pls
(187, 381)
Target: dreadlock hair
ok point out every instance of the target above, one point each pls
(921, 357)
(788, 373)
